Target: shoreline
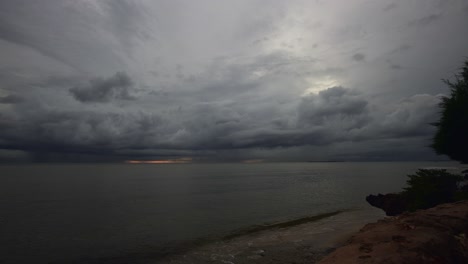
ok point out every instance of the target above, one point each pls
(285, 224)
(304, 240)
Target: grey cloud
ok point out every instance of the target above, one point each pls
(390, 7)
(274, 139)
(229, 97)
(227, 110)
(7, 155)
(426, 20)
(11, 33)
(353, 116)
(126, 20)
(332, 103)
(401, 48)
(244, 79)
(10, 99)
(80, 132)
(359, 57)
(412, 116)
(118, 86)
(408, 118)
(332, 116)
(77, 34)
(396, 67)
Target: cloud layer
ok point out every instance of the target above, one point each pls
(104, 90)
(117, 80)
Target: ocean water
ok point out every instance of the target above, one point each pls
(111, 213)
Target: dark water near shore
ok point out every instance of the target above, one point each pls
(108, 213)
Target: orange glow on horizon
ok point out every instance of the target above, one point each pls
(168, 161)
(251, 161)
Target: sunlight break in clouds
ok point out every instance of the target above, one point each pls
(224, 80)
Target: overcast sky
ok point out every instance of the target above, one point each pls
(219, 80)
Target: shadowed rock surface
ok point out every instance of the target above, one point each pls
(392, 203)
(436, 235)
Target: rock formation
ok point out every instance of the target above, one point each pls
(392, 203)
(435, 235)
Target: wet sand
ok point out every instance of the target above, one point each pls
(300, 242)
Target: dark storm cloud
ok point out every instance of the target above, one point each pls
(349, 115)
(209, 92)
(410, 119)
(327, 118)
(412, 116)
(265, 138)
(81, 132)
(332, 104)
(119, 86)
(226, 112)
(10, 99)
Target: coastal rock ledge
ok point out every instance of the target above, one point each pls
(435, 235)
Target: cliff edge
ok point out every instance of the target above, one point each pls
(435, 235)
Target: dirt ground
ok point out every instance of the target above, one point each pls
(435, 235)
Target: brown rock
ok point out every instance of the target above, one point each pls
(436, 235)
(392, 203)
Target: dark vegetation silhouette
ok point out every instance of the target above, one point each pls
(451, 138)
(430, 187)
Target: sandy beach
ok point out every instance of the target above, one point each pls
(303, 243)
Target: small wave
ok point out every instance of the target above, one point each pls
(290, 223)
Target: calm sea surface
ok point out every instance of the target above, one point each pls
(108, 213)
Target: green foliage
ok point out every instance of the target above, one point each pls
(451, 137)
(462, 194)
(430, 187)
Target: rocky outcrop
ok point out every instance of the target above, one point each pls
(392, 203)
(436, 235)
